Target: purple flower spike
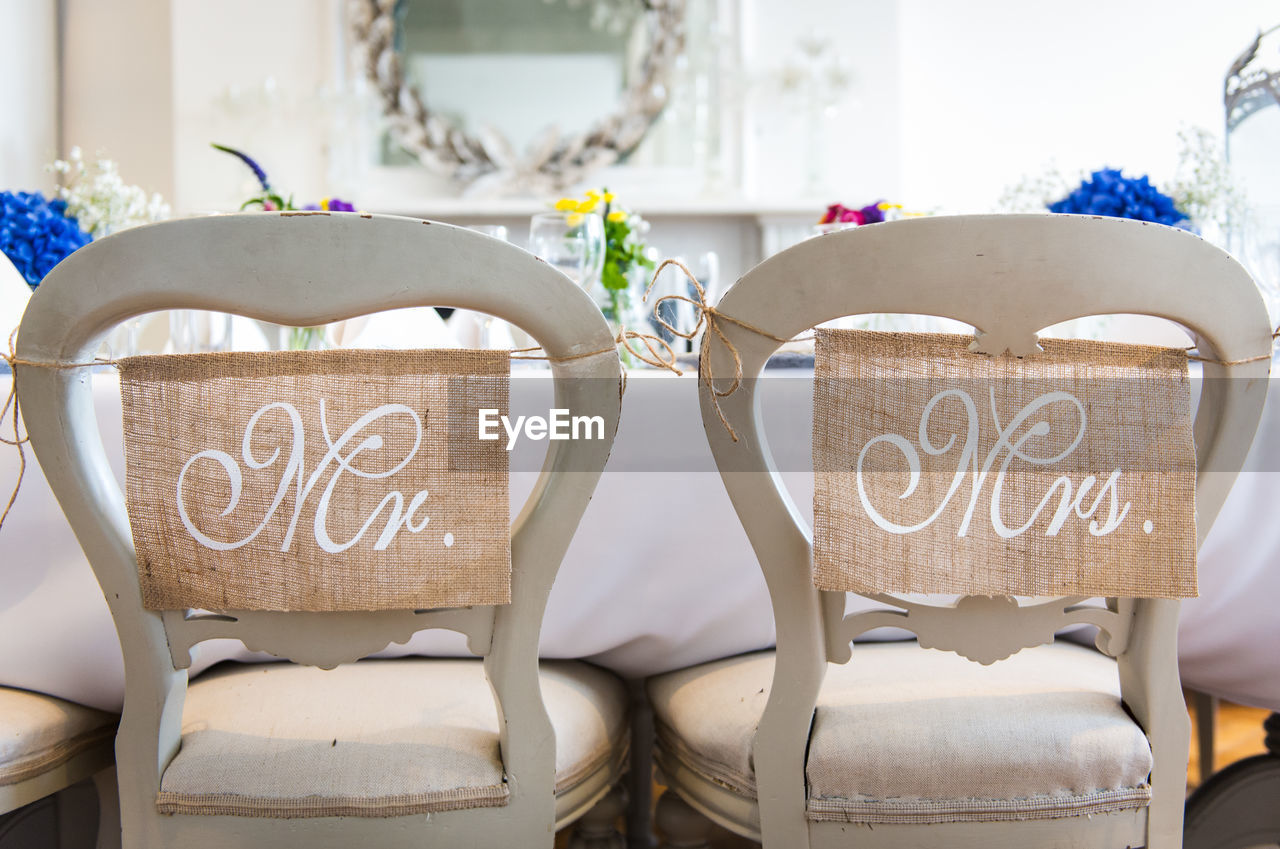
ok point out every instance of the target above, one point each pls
(337, 205)
(872, 213)
(244, 157)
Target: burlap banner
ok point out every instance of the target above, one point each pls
(938, 470)
(317, 480)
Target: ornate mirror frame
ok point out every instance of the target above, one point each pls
(486, 162)
(1249, 87)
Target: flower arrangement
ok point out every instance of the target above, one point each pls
(268, 199)
(97, 197)
(1108, 192)
(625, 252)
(1203, 195)
(37, 233)
(1203, 186)
(872, 213)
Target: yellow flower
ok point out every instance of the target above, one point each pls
(592, 194)
(567, 205)
(608, 197)
(324, 204)
(575, 219)
(617, 215)
(588, 205)
(885, 205)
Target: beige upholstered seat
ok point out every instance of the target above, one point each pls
(375, 738)
(47, 745)
(39, 733)
(942, 739)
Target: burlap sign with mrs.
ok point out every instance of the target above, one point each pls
(938, 470)
(317, 480)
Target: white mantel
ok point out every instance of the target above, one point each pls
(742, 232)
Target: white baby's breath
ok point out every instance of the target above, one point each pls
(100, 200)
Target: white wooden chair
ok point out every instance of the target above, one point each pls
(551, 742)
(881, 760)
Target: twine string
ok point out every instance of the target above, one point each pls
(656, 353)
(19, 438)
(1275, 334)
(711, 319)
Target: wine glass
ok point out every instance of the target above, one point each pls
(683, 315)
(488, 331)
(572, 242)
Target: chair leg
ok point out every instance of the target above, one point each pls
(598, 827)
(682, 827)
(640, 776)
(1236, 808)
(108, 808)
(1206, 721)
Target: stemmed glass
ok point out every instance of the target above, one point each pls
(488, 331)
(572, 242)
(680, 314)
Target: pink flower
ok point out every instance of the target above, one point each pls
(854, 215)
(832, 214)
(269, 206)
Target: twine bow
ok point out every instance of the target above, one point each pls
(710, 318)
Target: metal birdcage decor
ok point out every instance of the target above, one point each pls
(1251, 97)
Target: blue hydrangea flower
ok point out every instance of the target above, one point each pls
(1109, 192)
(37, 234)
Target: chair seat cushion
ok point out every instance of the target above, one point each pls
(377, 738)
(39, 732)
(910, 735)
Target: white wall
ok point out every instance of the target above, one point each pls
(117, 87)
(951, 102)
(860, 147)
(993, 90)
(28, 93)
(258, 77)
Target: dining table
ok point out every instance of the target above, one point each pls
(659, 575)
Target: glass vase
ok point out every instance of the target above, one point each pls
(304, 338)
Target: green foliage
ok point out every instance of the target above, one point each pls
(623, 252)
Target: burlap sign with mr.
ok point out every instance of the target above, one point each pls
(317, 480)
(938, 470)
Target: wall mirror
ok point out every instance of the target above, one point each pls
(517, 96)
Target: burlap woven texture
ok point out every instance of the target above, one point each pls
(1030, 514)
(362, 484)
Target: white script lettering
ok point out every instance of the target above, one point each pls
(293, 475)
(1014, 447)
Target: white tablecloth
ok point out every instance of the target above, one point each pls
(659, 576)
